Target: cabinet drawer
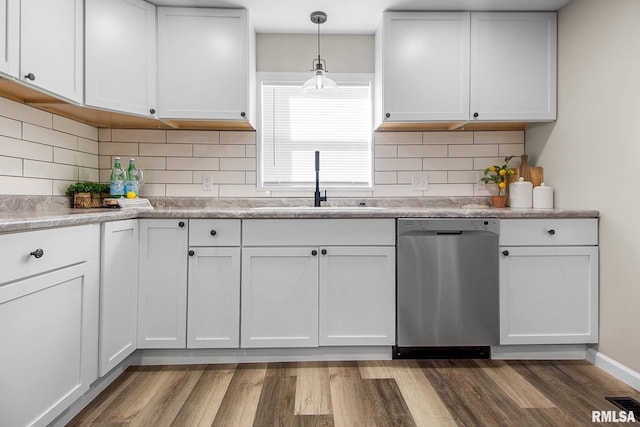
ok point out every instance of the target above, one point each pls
(214, 232)
(316, 232)
(548, 232)
(60, 247)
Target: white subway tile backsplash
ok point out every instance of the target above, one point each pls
(24, 113)
(238, 137)
(121, 149)
(398, 164)
(498, 137)
(398, 190)
(447, 138)
(105, 162)
(250, 177)
(75, 158)
(153, 190)
(385, 178)
(221, 177)
(463, 177)
(382, 151)
(145, 163)
(398, 137)
(165, 177)
(10, 166)
(168, 150)
(250, 150)
(447, 164)
(49, 136)
(511, 150)
(138, 135)
(104, 135)
(20, 186)
(238, 164)
(36, 169)
(73, 127)
(446, 190)
(11, 128)
(482, 163)
(89, 174)
(193, 136)
(473, 150)
(190, 190)
(60, 187)
(25, 150)
(435, 177)
(241, 191)
(192, 163)
(422, 151)
(218, 150)
(88, 145)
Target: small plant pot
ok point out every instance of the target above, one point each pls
(82, 200)
(499, 201)
(96, 200)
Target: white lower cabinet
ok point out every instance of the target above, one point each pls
(297, 295)
(213, 317)
(548, 281)
(162, 285)
(118, 292)
(49, 332)
(357, 295)
(279, 297)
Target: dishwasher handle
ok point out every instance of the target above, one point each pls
(445, 233)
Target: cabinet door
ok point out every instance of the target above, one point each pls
(279, 297)
(213, 320)
(549, 295)
(51, 34)
(120, 62)
(203, 60)
(118, 292)
(357, 296)
(425, 66)
(162, 285)
(9, 37)
(513, 65)
(46, 344)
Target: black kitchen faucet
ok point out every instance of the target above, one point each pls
(317, 198)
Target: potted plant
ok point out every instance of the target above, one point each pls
(81, 192)
(499, 175)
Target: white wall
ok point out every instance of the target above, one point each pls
(590, 154)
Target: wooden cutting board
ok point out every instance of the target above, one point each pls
(532, 174)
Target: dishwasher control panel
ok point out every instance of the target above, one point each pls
(448, 224)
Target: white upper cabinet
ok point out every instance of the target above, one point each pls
(120, 56)
(51, 46)
(425, 65)
(9, 37)
(513, 66)
(204, 60)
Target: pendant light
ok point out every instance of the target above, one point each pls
(319, 82)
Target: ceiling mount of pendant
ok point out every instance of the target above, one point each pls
(318, 17)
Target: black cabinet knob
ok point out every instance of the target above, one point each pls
(213, 232)
(387, 115)
(181, 224)
(243, 114)
(314, 252)
(192, 253)
(30, 76)
(475, 115)
(323, 252)
(505, 253)
(37, 253)
(551, 232)
(152, 111)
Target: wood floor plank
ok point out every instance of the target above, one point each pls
(313, 421)
(201, 406)
(238, 408)
(276, 405)
(426, 407)
(165, 404)
(389, 406)
(349, 398)
(514, 385)
(281, 369)
(375, 369)
(104, 399)
(313, 392)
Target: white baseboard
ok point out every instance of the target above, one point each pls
(614, 368)
(539, 352)
(256, 355)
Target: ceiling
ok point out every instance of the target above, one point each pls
(349, 16)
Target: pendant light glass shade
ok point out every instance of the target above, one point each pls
(319, 82)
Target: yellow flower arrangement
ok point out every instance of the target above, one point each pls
(498, 174)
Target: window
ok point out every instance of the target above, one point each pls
(293, 126)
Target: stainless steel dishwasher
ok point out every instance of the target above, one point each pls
(447, 287)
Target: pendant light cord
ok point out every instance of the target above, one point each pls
(318, 42)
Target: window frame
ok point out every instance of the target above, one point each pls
(302, 77)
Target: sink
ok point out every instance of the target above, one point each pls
(321, 208)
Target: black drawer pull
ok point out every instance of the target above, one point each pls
(505, 253)
(551, 232)
(192, 253)
(38, 253)
(181, 224)
(213, 232)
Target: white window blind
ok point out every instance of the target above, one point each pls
(294, 126)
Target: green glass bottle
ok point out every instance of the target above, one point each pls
(116, 181)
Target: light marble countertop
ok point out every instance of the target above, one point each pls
(30, 220)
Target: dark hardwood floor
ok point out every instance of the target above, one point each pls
(381, 393)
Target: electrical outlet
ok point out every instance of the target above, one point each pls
(420, 182)
(481, 185)
(207, 182)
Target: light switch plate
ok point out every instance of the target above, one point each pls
(420, 182)
(207, 182)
